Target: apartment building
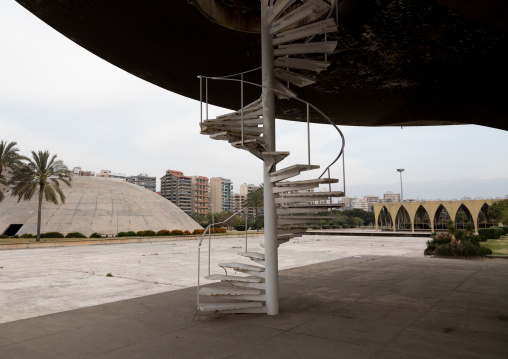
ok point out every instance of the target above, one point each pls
(200, 195)
(109, 174)
(143, 180)
(78, 172)
(245, 189)
(390, 197)
(221, 194)
(178, 189)
(239, 201)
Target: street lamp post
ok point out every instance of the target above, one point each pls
(400, 170)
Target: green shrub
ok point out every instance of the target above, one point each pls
(164, 232)
(52, 235)
(4, 236)
(489, 233)
(501, 230)
(352, 226)
(127, 234)
(484, 251)
(325, 227)
(441, 238)
(443, 250)
(27, 235)
(95, 235)
(505, 229)
(345, 226)
(75, 235)
(176, 232)
(240, 227)
(148, 233)
(15, 236)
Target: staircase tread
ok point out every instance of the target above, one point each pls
(312, 194)
(237, 278)
(294, 167)
(228, 291)
(310, 205)
(242, 266)
(296, 183)
(252, 255)
(207, 307)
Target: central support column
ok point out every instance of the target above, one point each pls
(270, 215)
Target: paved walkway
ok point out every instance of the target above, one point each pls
(368, 307)
(40, 281)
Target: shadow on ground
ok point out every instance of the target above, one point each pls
(368, 307)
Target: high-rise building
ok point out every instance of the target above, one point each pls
(221, 194)
(370, 202)
(178, 189)
(390, 197)
(245, 189)
(200, 195)
(239, 201)
(143, 180)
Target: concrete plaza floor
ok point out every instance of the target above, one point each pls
(374, 306)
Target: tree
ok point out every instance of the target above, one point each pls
(42, 173)
(499, 211)
(255, 199)
(9, 158)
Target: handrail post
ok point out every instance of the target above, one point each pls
(199, 272)
(206, 90)
(241, 108)
(246, 228)
(344, 171)
(308, 133)
(326, 55)
(201, 99)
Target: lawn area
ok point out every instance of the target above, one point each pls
(498, 246)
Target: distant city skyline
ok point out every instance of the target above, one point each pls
(57, 96)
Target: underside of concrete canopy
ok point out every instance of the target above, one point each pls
(424, 62)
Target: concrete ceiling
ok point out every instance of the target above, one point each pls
(398, 62)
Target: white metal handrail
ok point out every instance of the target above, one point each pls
(209, 243)
(308, 127)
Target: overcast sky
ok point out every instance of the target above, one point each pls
(57, 96)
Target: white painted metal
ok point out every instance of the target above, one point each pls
(312, 195)
(306, 48)
(248, 285)
(242, 266)
(232, 291)
(316, 28)
(301, 64)
(283, 92)
(302, 12)
(270, 216)
(278, 8)
(293, 77)
(291, 171)
(212, 307)
(235, 278)
(252, 255)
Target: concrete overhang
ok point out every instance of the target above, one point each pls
(411, 63)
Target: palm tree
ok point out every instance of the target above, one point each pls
(255, 199)
(9, 158)
(43, 173)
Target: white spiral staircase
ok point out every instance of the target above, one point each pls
(294, 24)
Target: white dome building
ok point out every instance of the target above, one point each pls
(93, 204)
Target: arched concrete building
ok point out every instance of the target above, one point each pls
(99, 205)
(410, 212)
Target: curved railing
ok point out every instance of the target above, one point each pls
(308, 104)
(207, 229)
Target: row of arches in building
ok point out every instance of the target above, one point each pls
(432, 215)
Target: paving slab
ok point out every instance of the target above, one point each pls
(322, 317)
